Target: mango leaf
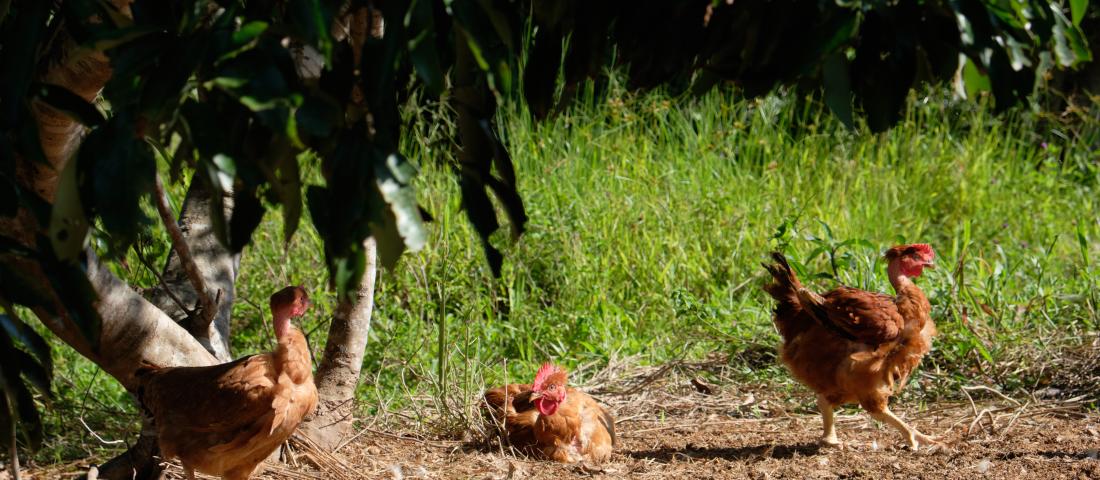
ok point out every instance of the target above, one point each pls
(20, 40)
(1070, 46)
(14, 364)
(1077, 10)
(115, 172)
(20, 287)
(246, 216)
(68, 227)
(310, 19)
(394, 176)
(540, 75)
(974, 80)
(34, 373)
(838, 88)
(31, 340)
(69, 103)
(420, 23)
(70, 281)
(29, 419)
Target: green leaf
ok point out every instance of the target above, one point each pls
(420, 23)
(838, 88)
(1070, 46)
(394, 176)
(20, 287)
(115, 170)
(348, 272)
(68, 228)
(69, 103)
(29, 419)
(37, 375)
(20, 40)
(70, 281)
(246, 216)
(974, 80)
(249, 32)
(1077, 10)
(30, 339)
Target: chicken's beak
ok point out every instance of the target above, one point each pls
(931, 265)
(536, 395)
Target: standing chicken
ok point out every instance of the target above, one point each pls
(853, 346)
(226, 419)
(552, 419)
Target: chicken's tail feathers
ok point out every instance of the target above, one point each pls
(783, 274)
(609, 424)
(784, 287)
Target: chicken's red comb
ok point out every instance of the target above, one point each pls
(924, 249)
(545, 372)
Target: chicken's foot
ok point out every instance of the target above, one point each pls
(828, 437)
(914, 438)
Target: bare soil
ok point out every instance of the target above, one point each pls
(672, 428)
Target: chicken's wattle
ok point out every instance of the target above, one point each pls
(547, 406)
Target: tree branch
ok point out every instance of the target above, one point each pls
(338, 374)
(216, 265)
(208, 305)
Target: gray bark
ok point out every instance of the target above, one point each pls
(216, 264)
(338, 374)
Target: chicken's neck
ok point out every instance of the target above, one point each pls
(292, 353)
(900, 281)
(911, 302)
(282, 326)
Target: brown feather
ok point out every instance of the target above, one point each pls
(850, 345)
(580, 429)
(226, 419)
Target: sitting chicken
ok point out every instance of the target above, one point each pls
(226, 419)
(551, 419)
(852, 346)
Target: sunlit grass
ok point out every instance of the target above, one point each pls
(650, 217)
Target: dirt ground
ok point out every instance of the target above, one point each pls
(674, 429)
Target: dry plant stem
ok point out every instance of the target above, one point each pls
(208, 304)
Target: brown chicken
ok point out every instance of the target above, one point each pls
(226, 419)
(551, 419)
(853, 346)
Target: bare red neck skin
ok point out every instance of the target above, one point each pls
(281, 321)
(900, 273)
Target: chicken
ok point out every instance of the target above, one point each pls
(226, 419)
(550, 419)
(853, 346)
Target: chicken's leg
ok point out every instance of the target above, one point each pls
(828, 438)
(914, 438)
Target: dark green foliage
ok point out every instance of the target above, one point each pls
(19, 368)
(873, 50)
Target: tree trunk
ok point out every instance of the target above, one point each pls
(338, 374)
(140, 462)
(216, 264)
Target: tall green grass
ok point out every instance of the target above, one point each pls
(650, 217)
